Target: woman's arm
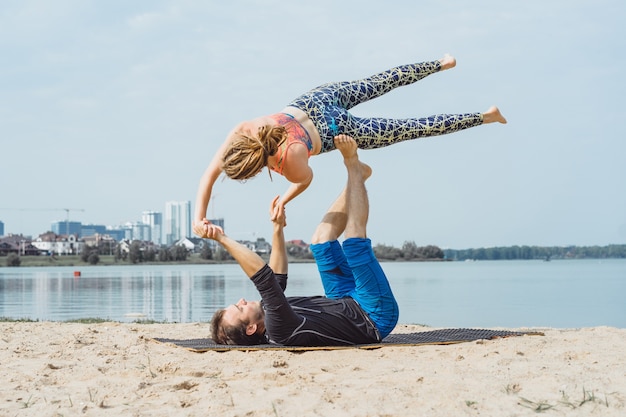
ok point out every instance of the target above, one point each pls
(203, 196)
(205, 187)
(299, 173)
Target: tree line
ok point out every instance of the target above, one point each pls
(409, 251)
(537, 252)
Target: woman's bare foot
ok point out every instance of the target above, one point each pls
(447, 62)
(348, 148)
(493, 115)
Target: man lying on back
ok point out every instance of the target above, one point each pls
(358, 306)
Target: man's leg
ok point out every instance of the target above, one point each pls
(372, 290)
(357, 203)
(335, 220)
(335, 272)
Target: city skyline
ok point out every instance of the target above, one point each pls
(148, 228)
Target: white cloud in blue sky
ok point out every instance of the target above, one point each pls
(116, 107)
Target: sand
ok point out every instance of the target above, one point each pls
(67, 369)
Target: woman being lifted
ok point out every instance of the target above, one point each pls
(283, 142)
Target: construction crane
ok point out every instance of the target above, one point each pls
(67, 213)
(213, 205)
(67, 219)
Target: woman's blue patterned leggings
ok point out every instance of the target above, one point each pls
(327, 106)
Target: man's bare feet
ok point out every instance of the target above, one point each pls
(447, 62)
(348, 148)
(346, 145)
(366, 171)
(493, 115)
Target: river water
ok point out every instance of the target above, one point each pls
(560, 293)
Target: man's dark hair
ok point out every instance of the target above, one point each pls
(233, 335)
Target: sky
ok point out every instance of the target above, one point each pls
(112, 108)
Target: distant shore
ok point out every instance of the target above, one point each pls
(109, 260)
(105, 260)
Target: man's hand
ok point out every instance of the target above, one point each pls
(277, 212)
(206, 229)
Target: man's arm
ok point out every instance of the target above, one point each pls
(248, 260)
(278, 257)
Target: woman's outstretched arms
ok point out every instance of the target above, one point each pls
(205, 188)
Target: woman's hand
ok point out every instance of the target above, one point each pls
(277, 212)
(199, 227)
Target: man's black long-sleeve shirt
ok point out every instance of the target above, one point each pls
(310, 321)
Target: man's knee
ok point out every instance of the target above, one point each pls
(330, 228)
(322, 234)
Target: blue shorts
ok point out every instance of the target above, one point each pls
(353, 271)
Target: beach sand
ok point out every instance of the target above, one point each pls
(69, 369)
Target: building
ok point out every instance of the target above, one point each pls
(18, 244)
(141, 231)
(154, 220)
(177, 221)
(67, 228)
(87, 230)
(118, 233)
(105, 243)
(192, 244)
(1, 228)
(54, 243)
(261, 246)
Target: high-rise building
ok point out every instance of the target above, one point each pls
(67, 228)
(140, 231)
(87, 230)
(117, 233)
(177, 221)
(154, 220)
(1, 228)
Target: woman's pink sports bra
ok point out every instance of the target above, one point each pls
(295, 134)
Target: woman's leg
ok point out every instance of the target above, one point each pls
(351, 93)
(348, 94)
(327, 107)
(376, 132)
